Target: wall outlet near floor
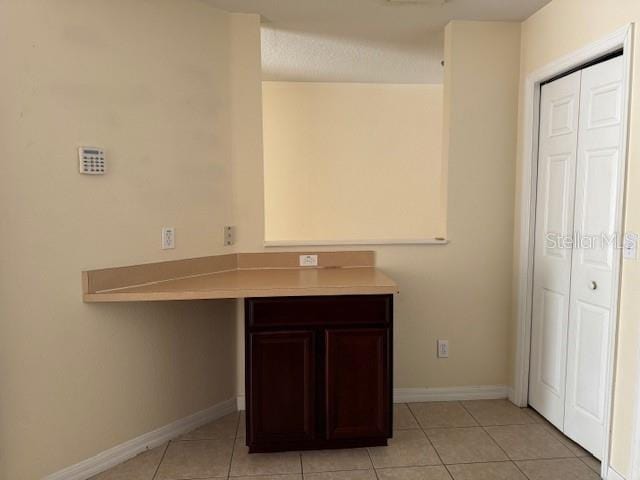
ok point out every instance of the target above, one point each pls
(308, 260)
(229, 235)
(443, 348)
(168, 238)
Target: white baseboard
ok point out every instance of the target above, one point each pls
(413, 395)
(129, 449)
(240, 404)
(613, 475)
(485, 392)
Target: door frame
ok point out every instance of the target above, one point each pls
(621, 38)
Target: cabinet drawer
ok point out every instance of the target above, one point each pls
(319, 311)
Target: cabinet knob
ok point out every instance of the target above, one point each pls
(593, 285)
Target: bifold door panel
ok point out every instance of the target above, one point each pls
(559, 118)
(592, 281)
(576, 208)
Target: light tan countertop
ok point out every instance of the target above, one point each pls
(239, 276)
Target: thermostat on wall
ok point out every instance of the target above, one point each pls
(92, 160)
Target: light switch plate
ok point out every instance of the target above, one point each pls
(443, 348)
(308, 260)
(630, 246)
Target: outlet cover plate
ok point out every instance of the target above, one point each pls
(229, 235)
(443, 348)
(168, 238)
(308, 260)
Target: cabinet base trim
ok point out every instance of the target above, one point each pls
(129, 449)
(443, 394)
(413, 395)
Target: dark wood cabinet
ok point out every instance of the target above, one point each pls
(318, 372)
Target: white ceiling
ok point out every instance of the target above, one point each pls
(363, 40)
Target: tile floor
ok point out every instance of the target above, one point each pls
(475, 440)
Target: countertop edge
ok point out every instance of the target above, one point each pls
(110, 297)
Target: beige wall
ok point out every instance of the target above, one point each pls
(460, 291)
(352, 161)
(559, 29)
(248, 186)
(152, 83)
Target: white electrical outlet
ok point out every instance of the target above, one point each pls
(168, 238)
(443, 348)
(308, 260)
(229, 235)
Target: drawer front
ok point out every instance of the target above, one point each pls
(319, 311)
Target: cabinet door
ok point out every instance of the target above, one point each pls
(358, 397)
(281, 386)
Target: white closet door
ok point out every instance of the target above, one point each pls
(559, 113)
(592, 282)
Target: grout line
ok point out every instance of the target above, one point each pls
(407, 467)
(499, 446)
(424, 432)
(413, 415)
(588, 466)
(471, 414)
(480, 463)
(492, 439)
(538, 460)
(513, 462)
(449, 472)
(166, 447)
(321, 471)
(447, 427)
(520, 470)
(237, 424)
(301, 467)
(202, 439)
(476, 426)
(233, 448)
(375, 471)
